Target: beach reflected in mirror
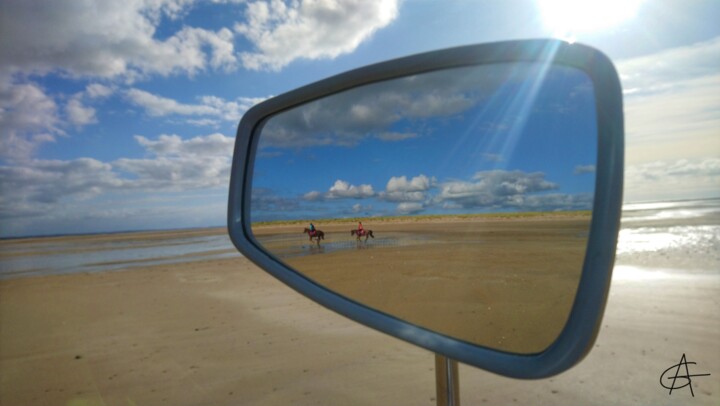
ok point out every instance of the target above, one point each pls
(457, 200)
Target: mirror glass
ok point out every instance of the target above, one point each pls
(473, 187)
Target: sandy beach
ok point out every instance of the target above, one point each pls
(223, 332)
(428, 273)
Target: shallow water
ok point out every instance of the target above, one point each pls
(684, 236)
(679, 236)
(59, 257)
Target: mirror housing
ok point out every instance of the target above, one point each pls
(581, 328)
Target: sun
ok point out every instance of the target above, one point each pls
(568, 18)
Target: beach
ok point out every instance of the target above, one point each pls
(218, 330)
(427, 272)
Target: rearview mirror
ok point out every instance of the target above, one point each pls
(464, 200)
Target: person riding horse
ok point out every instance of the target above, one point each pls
(362, 232)
(312, 230)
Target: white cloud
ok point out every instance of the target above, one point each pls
(107, 39)
(401, 184)
(28, 118)
(33, 188)
(211, 106)
(409, 208)
(213, 145)
(395, 136)
(369, 111)
(400, 189)
(342, 190)
(494, 189)
(668, 69)
(313, 195)
(161, 106)
(96, 90)
(672, 180)
(179, 164)
(284, 31)
(38, 184)
(78, 113)
(361, 209)
(672, 103)
(230, 110)
(582, 169)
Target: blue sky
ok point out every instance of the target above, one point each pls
(121, 116)
(505, 137)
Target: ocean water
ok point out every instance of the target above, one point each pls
(669, 239)
(53, 256)
(657, 240)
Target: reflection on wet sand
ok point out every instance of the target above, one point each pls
(503, 283)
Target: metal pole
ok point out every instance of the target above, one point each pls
(447, 384)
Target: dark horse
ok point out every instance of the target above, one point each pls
(319, 235)
(366, 233)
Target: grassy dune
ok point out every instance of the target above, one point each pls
(431, 218)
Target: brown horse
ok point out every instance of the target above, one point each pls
(366, 233)
(319, 235)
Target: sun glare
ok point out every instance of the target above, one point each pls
(568, 18)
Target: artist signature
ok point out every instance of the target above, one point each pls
(685, 380)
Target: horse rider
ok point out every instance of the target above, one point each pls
(361, 231)
(312, 229)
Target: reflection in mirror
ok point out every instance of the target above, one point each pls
(473, 187)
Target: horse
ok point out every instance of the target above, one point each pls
(319, 235)
(366, 233)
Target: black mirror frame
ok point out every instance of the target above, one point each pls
(583, 324)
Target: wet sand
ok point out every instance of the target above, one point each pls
(223, 332)
(507, 284)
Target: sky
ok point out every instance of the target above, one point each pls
(122, 116)
(494, 138)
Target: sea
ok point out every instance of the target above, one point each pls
(657, 240)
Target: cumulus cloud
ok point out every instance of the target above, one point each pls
(359, 208)
(181, 164)
(96, 90)
(400, 189)
(161, 106)
(342, 190)
(28, 118)
(493, 189)
(285, 31)
(107, 39)
(78, 113)
(34, 187)
(410, 208)
(213, 145)
(211, 106)
(371, 111)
